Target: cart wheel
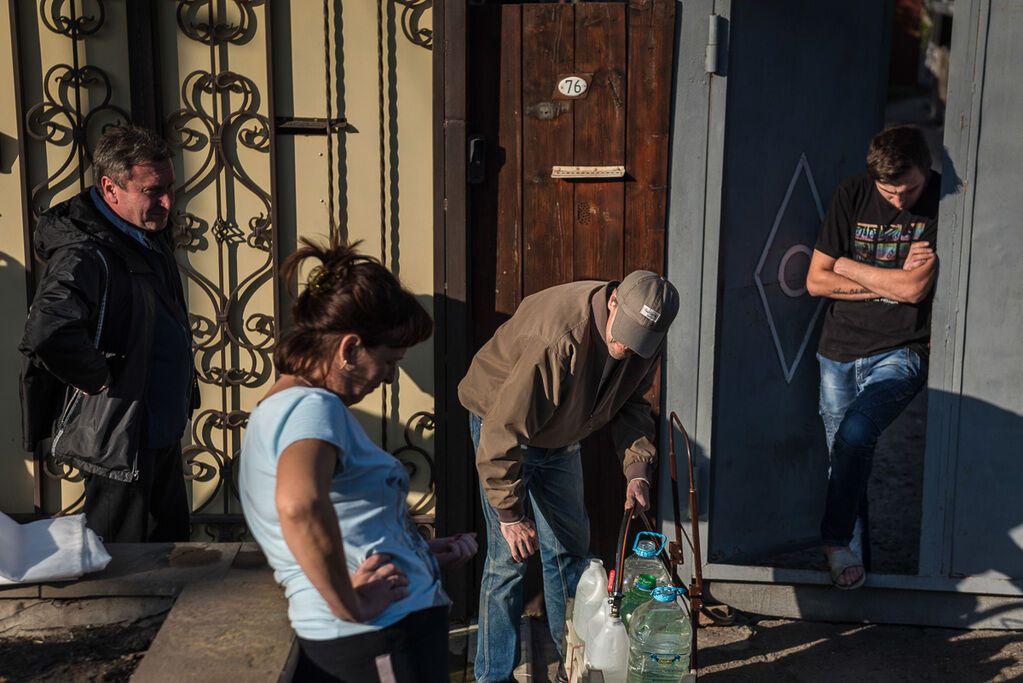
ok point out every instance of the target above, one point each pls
(722, 615)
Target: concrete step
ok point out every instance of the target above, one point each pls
(230, 629)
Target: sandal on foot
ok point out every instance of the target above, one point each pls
(838, 562)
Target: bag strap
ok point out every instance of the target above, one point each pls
(103, 299)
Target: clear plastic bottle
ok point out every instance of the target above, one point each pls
(660, 636)
(590, 594)
(637, 595)
(644, 560)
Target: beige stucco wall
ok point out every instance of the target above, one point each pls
(383, 190)
(15, 470)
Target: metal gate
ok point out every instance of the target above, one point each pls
(776, 123)
(261, 119)
(788, 119)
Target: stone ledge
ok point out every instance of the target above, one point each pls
(141, 570)
(37, 617)
(235, 628)
(147, 569)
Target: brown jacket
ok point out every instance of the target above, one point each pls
(535, 383)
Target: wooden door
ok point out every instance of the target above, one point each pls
(529, 231)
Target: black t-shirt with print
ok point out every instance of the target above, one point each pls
(863, 226)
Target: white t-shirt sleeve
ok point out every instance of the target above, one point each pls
(314, 416)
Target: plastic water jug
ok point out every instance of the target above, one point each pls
(660, 636)
(644, 560)
(596, 622)
(590, 594)
(640, 592)
(608, 650)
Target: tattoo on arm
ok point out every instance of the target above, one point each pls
(861, 290)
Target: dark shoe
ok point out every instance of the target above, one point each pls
(562, 676)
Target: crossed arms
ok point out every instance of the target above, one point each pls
(848, 280)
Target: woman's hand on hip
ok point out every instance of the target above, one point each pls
(378, 583)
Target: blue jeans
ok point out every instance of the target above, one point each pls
(859, 399)
(553, 480)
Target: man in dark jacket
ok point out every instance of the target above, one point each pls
(107, 382)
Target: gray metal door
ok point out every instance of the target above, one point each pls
(796, 92)
(733, 372)
(974, 467)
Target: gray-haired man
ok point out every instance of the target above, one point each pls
(107, 378)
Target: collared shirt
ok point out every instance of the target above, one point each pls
(136, 233)
(169, 384)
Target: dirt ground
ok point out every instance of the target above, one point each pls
(802, 652)
(812, 652)
(79, 655)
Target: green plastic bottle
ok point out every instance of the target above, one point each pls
(637, 595)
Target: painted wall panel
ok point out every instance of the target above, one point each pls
(988, 519)
(15, 464)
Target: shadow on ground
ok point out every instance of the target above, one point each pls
(801, 652)
(809, 652)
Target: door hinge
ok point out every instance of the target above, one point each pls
(717, 43)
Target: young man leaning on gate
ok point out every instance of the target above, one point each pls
(875, 260)
(572, 359)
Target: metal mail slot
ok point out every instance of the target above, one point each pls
(588, 172)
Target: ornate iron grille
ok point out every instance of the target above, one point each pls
(76, 106)
(224, 131)
(222, 115)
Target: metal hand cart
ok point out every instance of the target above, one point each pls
(671, 556)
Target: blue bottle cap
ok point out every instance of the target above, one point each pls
(667, 593)
(647, 548)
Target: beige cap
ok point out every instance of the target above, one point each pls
(647, 305)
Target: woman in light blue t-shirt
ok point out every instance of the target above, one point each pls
(325, 503)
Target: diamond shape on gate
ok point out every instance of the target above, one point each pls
(789, 367)
(226, 231)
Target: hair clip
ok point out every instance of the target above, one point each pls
(320, 279)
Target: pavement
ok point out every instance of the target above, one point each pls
(812, 652)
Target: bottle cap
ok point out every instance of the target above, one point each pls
(667, 593)
(648, 547)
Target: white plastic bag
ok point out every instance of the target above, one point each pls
(57, 549)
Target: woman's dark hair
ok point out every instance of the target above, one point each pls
(347, 293)
(896, 151)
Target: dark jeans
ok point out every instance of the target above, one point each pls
(859, 399)
(153, 508)
(553, 481)
(414, 650)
